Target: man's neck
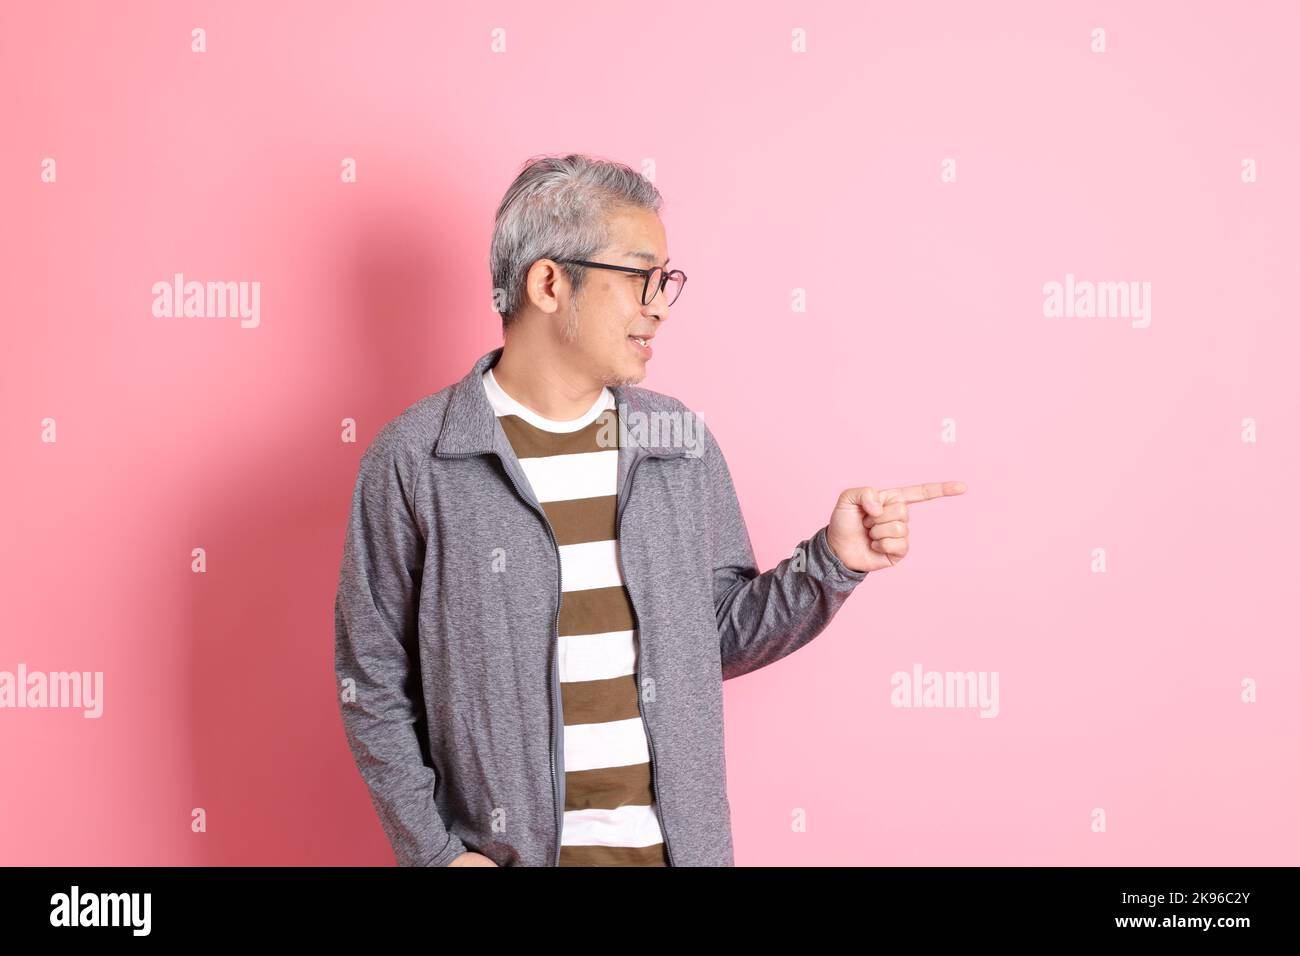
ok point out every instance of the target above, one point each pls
(543, 385)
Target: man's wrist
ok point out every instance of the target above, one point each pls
(834, 560)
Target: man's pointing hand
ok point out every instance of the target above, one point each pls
(868, 528)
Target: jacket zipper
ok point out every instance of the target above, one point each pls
(555, 646)
(644, 723)
(555, 693)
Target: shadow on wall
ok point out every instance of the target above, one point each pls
(271, 766)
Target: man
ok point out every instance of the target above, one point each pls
(546, 576)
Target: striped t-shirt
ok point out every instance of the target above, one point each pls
(609, 814)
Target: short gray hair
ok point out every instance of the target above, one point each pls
(556, 209)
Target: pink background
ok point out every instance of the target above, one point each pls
(817, 171)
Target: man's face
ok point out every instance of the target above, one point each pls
(608, 311)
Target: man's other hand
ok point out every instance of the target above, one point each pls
(471, 858)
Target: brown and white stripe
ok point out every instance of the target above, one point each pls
(609, 816)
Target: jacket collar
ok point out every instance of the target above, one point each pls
(470, 426)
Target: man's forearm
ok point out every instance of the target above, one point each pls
(763, 617)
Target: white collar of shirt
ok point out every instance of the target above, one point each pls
(503, 404)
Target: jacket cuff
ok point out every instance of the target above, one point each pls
(454, 848)
(836, 571)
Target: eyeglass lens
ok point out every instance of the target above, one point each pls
(672, 288)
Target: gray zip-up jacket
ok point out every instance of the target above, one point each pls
(447, 622)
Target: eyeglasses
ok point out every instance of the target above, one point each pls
(656, 278)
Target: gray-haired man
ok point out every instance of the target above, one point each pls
(546, 576)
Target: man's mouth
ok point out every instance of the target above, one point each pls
(642, 343)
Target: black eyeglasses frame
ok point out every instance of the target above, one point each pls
(646, 297)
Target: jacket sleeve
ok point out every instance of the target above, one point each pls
(376, 630)
(764, 617)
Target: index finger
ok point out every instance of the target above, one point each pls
(929, 489)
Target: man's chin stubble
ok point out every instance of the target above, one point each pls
(622, 381)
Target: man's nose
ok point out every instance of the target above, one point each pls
(658, 307)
